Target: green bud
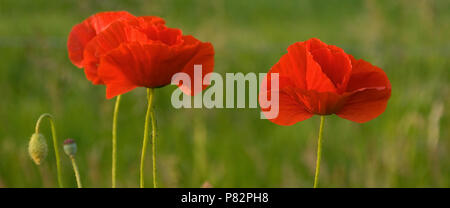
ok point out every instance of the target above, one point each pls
(37, 148)
(70, 147)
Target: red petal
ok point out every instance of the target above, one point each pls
(117, 33)
(147, 64)
(333, 61)
(154, 20)
(305, 73)
(118, 86)
(82, 33)
(290, 110)
(168, 36)
(366, 75)
(365, 105)
(155, 30)
(322, 103)
(370, 91)
(203, 56)
(102, 20)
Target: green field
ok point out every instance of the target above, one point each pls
(407, 146)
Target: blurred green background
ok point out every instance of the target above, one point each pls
(407, 146)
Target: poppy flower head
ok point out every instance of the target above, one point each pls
(141, 52)
(316, 78)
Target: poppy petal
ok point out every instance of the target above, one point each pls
(155, 30)
(152, 20)
(117, 33)
(141, 64)
(204, 56)
(333, 61)
(370, 91)
(149, 65)
(366, 75)
(82, 33)
(299, 64)
(168, 36)
(290, 110)
(114, 78)
(118, 86)
(321, 103)
(365, 105)
(102, 20)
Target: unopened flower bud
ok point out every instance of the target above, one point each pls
(70, 147)
(37, 148)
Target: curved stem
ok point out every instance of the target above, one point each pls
(319, 151)
(114, 142)
(145, 140)
(55, 144)
(75, 170)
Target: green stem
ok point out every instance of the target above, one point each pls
(154, 147)
(319, 151)
(75, 170)
(145, 140)
(55, 144)
(114, 142)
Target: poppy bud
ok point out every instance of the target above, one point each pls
(70, 147)
(37, 148)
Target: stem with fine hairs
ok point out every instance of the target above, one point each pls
(154, 147)
(55, 144)
(114, 142)
(319, 151)
(76, 171)
(148, 116)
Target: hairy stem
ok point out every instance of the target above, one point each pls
(76, 171)
(114, 142)
(145, 139)
(154, 147)
(55, 143)
(319, 151)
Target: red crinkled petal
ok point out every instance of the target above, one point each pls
(149, 64)
(333, 61)
(366, 75)
(84, 32)
(305, 72)
(370, 91)
(290, 109)
(146, 21)
(321, 103)
(203, 56)
(117, 33)
(365, 105)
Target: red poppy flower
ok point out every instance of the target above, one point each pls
(124, 52)
(316, 78)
